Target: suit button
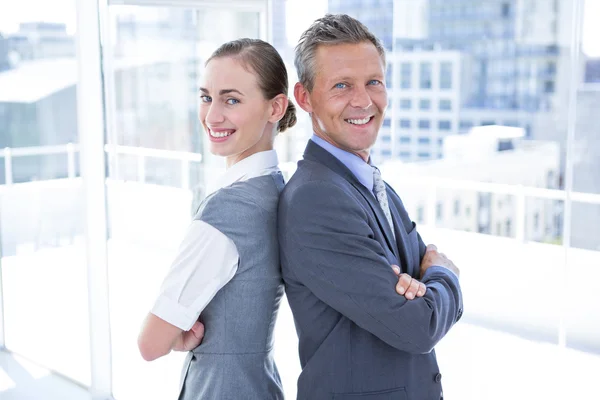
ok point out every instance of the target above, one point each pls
(438, 377)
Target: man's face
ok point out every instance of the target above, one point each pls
(349, 97)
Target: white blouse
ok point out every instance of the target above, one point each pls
(206, 259)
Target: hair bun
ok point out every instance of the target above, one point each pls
(289, 118)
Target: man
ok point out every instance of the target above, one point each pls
(343, 231)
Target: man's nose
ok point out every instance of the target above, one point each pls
(361, 98)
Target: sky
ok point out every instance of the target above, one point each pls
(14, 12)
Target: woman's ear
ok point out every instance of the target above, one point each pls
(302, 98)
(278, 107)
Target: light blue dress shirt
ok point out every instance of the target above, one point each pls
(362, 170)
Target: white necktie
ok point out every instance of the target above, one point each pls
(381, 194)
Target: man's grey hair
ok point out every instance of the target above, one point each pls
(332, 29)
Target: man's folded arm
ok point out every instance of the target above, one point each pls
(329, 248)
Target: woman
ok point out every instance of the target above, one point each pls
(226, 276)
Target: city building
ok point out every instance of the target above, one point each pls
(4, 53)
(426, 90)
(278, 32)
(411, 19)
(39, 113)
(42, 40)
(378, 16)
(592, 70)
(445, 193)
(514, 68)
(458, 64)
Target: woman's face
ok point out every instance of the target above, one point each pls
(233, 111)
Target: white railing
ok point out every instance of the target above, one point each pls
(431, 184)
(142, 153)
(520, 192)
(9, 152)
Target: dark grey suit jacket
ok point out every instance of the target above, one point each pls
(359, 339)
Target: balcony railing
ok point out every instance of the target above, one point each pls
(431, 184)
(70, 149)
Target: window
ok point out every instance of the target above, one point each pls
(424, 154)
(143, 126)
(45, 262)
(405, 123)
(405, 139)
(424, 124)
(445, 105)
(465, 125)
(550, 181)
(549, 87)
(424, 104)
(405, 104)
(404, 155)
(405, 75)
(457, 207)
(386, 138)
(425, 76)
(505, 10)
(446, 75)
(420, 214)
(387, 123)
(444, 125)
(424, 140)
(439, 212)
(386, 152)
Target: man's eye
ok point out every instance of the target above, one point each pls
(340, 85)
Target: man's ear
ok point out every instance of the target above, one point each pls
(278, 107)
(302, 97)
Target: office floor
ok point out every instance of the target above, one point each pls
(23, 380)
(477, 364)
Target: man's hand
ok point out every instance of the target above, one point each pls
(189, 340)
(433, 257)
(407, 286)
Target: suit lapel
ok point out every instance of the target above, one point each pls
(316, 153)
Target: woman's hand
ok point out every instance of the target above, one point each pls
(189, 340)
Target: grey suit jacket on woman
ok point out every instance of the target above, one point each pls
(235, 359)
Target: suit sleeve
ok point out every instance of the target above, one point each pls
(328, 246)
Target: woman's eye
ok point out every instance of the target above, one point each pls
(340, 85)
(232, 101)
(205, 99)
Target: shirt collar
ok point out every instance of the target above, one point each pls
(362, 171)
(257, 164)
